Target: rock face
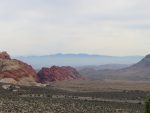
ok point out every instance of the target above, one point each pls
(16, 72)
(56, 73)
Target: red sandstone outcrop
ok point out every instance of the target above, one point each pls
(56, 73)
(15, 71)
(4, 55)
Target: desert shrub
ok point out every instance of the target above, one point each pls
(147, 104)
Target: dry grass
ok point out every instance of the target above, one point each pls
(98, 85)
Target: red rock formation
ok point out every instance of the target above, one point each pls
(4, 55)
(18, 71)
(56, 73)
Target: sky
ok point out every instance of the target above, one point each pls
(109, 27)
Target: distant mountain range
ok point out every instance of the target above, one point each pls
(139, 71)
(77, 60)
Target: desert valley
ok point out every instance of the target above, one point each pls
(65, 90)
(74, 56)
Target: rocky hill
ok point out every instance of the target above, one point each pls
(56, 73)
(15, 71)
(139, 71)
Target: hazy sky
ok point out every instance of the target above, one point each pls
(110, 27)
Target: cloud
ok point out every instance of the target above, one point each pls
(114, 27)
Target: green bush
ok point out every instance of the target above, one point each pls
(147, 104)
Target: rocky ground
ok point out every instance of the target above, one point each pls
(49, 105)
(51, 100)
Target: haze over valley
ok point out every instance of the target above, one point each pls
(74, 56)
(77, 60)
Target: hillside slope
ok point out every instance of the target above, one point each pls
(138, 71)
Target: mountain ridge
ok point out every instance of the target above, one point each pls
(77, 60)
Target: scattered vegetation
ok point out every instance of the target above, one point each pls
(147, 104)
(52, 100)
